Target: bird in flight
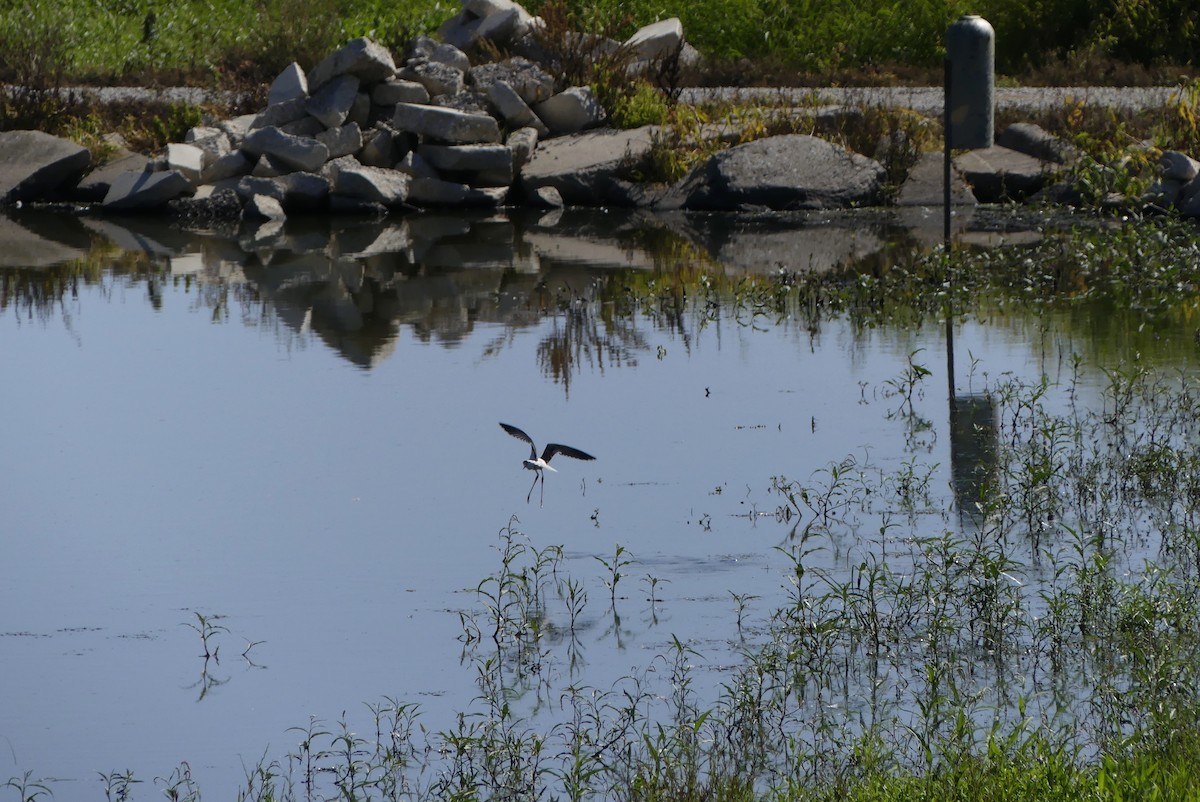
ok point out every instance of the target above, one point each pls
(539, 465)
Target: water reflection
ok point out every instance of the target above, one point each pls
(333, 504)
(973, 454)
(356, 284)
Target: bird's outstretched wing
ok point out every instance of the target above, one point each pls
(557, 448)
(520, 435)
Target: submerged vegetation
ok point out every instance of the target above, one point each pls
(1031, 632)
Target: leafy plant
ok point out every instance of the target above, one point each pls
(27, 788)
(614, 567)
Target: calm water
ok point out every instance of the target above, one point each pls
(296, 430)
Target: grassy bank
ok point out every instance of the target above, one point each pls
(223, 43)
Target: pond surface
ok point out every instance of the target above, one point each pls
(287, 439)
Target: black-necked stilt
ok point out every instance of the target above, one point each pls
(541, 464)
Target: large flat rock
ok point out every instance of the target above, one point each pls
(790, 172)
(140, 190)
(998, 173)
(95, 185)
(437, 124)
(586, 168)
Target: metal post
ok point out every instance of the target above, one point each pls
(946, 124)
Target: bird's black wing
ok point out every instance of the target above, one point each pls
(520, 435)
(566, 451)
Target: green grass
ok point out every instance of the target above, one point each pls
(216, 42)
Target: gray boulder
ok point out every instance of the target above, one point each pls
(414, 165)
(487, 8)
(1035, 141)
(137, 191)
(296, 192)
(468, 101)
(34, 165)
(998, 173)
(94, 186)
(424, 48)
(362, 109)
(213, 141)
(445, 125)
(187, 160)
(291, 84)
(263, 207)
(331, 103)
(268, 166)
(459, 30)
(383, 147)
(436, 77)
(277, 114)
(231, 165)
(393, 91)
(510, 108)
(502, 22)
(500, 28)
(237, 128)
(362, 58)
(488, 165)
(522, 142)
(1164, 193)
(545, 198)
(377, 184)
(586, 169)
(795, 171)
(301, 153)
(342, 141)
(305, 126)
(1176, 166)
(436, 192)
(658, 40)
(570, 111)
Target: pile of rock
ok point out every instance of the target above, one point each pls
(359, 131)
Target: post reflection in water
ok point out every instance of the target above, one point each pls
(973, 455)
(973, 442)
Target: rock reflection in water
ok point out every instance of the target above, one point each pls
(357, 283)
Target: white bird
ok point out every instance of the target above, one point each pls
(541, 464)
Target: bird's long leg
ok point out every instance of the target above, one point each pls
(536, 475)
(542, 501)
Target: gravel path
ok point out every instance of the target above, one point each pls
(928, 99)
